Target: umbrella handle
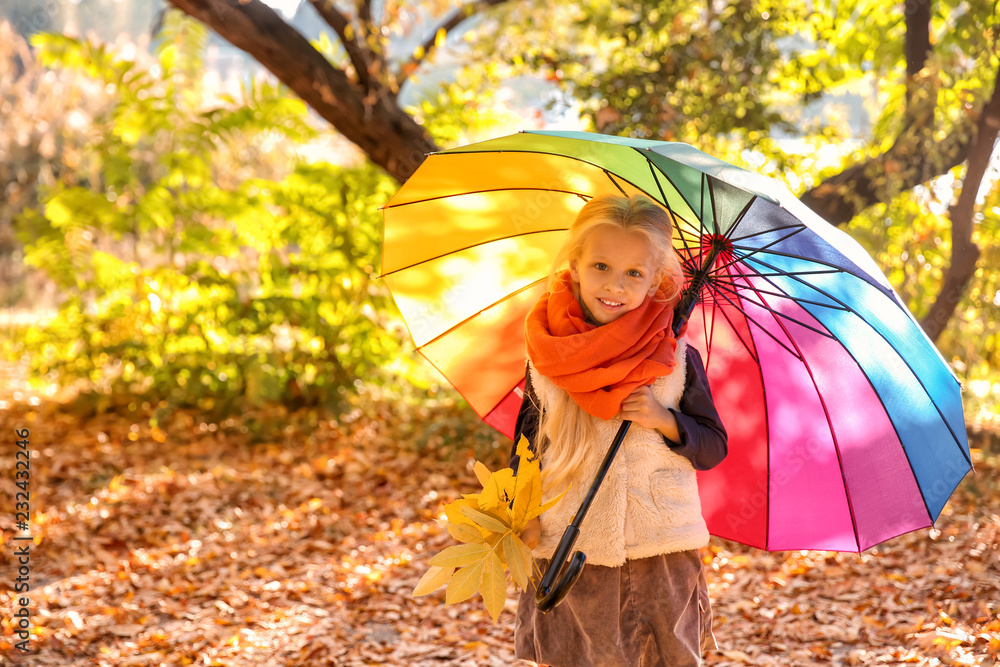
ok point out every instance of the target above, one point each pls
(549, 593)
(547, 596)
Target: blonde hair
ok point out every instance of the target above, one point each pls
(563, 426)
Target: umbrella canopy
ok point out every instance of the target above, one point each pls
(845, 424)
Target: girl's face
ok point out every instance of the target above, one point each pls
(614, 273)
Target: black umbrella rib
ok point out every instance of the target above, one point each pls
(484, 191)
(847, 308)
(794, 275)
(663, 197)
(759, 325)
(474, 245)
(506, 297)
(735, 286)
(614, 182)
(656, 174)
(832, 266)
(680, 192)
(706, 185)
(753, 251)
(763, 304)
(709, 334)
(751, 352)
(568, 157)
(688, 262)
(692, 234)
(779, 273)
(736, 221)
(766, 231)
(742, 214)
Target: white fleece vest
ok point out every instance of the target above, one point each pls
(648, 503)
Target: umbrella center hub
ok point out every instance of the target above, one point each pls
(716, 245)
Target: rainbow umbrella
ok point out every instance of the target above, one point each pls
(845, 424)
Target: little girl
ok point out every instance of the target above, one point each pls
(600, 350)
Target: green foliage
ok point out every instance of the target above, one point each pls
(462, 111)
(661, 70)
(187, 276)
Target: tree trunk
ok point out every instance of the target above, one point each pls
(917, 47)
(376, 124)
(964, 251)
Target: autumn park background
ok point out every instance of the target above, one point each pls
(236, 456)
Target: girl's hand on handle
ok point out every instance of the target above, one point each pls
(532, 532)
(642, 408)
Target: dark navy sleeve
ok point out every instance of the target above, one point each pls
(527, 421)
(703, 438)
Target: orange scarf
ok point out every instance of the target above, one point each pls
(598, 366)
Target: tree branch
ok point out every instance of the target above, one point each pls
(425, 49)
(914, 158)
(375, 123)
(365, 12)
(917, 48)
(964, 251)
(336, 20)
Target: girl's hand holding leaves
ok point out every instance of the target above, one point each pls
(532, 533)
(489, 526)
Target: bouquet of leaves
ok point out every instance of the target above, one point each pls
(489, 525)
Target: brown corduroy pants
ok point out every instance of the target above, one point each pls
(650, 612)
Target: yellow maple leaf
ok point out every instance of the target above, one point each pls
(433, 579)
(514, 558)
(461, 555)
(524, 450)
(464, 532)
(499, 488)
(454, 513)
(465, 582)
(485, 520)
(482, 473)
(535, 511)
(493, 586)
(527, 492)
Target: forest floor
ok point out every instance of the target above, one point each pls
(192, 543)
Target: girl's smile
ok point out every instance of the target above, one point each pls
(614, 273)
(610, 305)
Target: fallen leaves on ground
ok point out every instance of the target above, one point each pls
(185, 543)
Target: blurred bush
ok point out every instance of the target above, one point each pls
(199, 261)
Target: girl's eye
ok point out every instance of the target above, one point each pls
(635, 273)
(600, 266)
